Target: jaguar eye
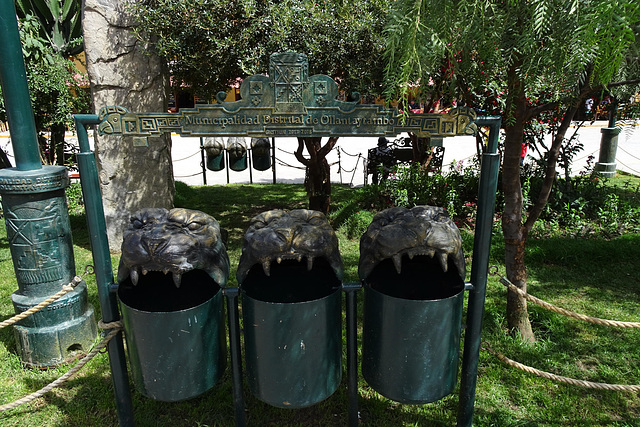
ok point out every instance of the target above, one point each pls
(193, 226)
(137, 223)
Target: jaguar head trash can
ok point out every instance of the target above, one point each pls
(290, 275)
(413, 269)
(261, 153)
(214, 148)
(237, 149)
(172, 268)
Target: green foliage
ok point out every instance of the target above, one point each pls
(356, 225)
(209, 44)
(75, 202)
(54, 85)
(588, 204)
(61, 23)
(550, 45)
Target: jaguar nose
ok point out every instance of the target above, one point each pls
(153, 246)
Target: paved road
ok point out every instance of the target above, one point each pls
(351, 171)
(351, 152)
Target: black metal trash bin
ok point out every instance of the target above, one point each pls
(171, 272)
(413, 304)
(237, 150)
(261, 153)
(292, 308)
(214, 147)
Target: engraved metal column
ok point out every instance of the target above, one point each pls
(37, 222)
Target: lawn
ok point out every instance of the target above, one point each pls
(595, 276)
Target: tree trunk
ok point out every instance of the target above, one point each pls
(515, 236)
(57, 144)
(123, 72)
(318, 173)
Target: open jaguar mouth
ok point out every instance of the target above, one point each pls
(420, 245)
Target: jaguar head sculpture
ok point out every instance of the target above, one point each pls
(174, 241)
(301, 235)
(420, 231)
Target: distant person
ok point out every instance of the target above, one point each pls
(523, 153)
(588, 105)
(384, 157)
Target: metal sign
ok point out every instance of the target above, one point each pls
(286, 103)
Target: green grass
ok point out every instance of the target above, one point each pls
(596, 276)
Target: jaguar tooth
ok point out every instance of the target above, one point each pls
(144, 271)
(411, 254)
(459, 262)
(299, 258)
(266, 267)
(442, 257)
(397, 262)
(134, 276)
(431, 252)
(309, 263)
(177, 279)
(279, 259)
(165, 271)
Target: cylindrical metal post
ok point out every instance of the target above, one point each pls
(231, 294)
(273, 158)
(352, 350)
(37, 222)
(204, 162)
(13, 77)
(103, 267)
(479, 272)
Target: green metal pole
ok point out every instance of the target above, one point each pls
(13, 77)
(37, 222)
(479, 271)
(103, 267)
(231, 293)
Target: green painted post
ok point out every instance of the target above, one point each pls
(479, 270)
(38, 229)
(103, 267)
(13, 77)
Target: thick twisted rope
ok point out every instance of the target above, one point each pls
(114, 327)
(65, 290)
(556, 309)
(560, 378)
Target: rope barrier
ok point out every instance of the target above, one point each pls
(581, 383)
(102, 344)
(560, 378)
(494, 271)
(188, 157)
(188, 176)
(281, 163)
(630, 168)
(635, 157)
(65, 290)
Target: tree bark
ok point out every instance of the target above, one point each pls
(515, 235)
(318, 172)
(123, 72)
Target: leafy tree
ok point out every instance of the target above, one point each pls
(528, 57)
(54, 87)
(61, 23)
(209, 44)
